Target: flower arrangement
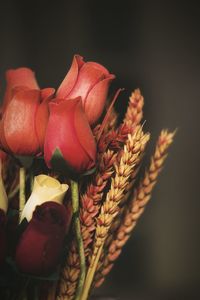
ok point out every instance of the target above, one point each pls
(70, 190)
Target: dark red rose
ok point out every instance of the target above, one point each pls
(40, 246)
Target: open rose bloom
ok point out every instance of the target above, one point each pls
(68, 198)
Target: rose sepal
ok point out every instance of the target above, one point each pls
(59, 164)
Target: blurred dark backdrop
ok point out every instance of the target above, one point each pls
(153, 45)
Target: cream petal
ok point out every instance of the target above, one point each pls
(45, 189)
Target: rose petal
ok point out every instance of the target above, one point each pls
(18, 123)
(47, 93)
(84, 133)
(95, 101)
(42, 115)
(18, 77)
(45, 188)
(71, 77)
(89, 75)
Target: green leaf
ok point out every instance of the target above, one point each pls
(12, 213)
(25, 161)
(89, 172)
(59, 164)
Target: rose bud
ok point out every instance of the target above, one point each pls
(15, 78)
(24, 121)
(40, 246)
(91, 82)
(45, 188)
(68, 134)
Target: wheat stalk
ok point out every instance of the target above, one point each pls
(112, 121)
(69, 276)
(137, 205)
(90, 203)
(113, 139)
(132, 118)
(116, 222)
(134, 111)
(91, 199)
(109, 208)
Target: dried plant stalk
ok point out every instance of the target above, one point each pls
(127, 192)
(91, 200)
(109, 209)
(134, 111)
(10, 173)
(115, 139)
(90, 204)
(69, 277)
(112, 121)
(116, 222)
(132, 118)
(136, 207)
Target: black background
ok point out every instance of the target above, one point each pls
(153, 45)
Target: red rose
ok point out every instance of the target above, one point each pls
(90, 81)
(19, 77)
(25, 114)
(2, 236)
(40, 245)
(69, 132)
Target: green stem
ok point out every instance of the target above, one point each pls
(13, 192)
(75, 208)
(16, 189)
(31, 180)
(90, 274)
(22, 185)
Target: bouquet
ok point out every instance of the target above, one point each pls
(70, 188)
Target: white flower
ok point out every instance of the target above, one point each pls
(45, 188)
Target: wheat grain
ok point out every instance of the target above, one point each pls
(134, 111)
(90, 203)
(136, 207)
(109, 209)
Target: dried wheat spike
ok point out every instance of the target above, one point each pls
(69, 276)
(109, 208)
(112, 121)
(116, 222)
(90, 203)
(110, 125)
(91, 200)
(127, 192)
(134, 111)
(136, 207)
(115, 139)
